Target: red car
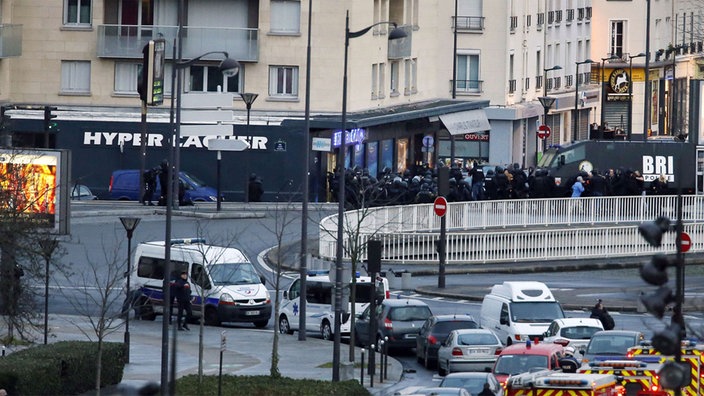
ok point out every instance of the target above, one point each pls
(521, 358)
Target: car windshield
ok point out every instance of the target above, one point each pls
(474, 384)
(444, 328)
(579, 332)
(477, 339)
(233, 274)
(516, 364)
(610, 344)
(409, 313)
(196, 182)
(528, 312)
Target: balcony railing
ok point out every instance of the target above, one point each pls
(468, 86)
(469, 23)
(511, 86)
(127, 41)
(10, 40)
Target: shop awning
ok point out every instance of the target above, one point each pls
(469, 121)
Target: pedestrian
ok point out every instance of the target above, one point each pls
(578, 187)
(659, 185)
(255, 188)
(164, 182)
(150, 176)
(182, 290)
(486, 391)
(599, 312)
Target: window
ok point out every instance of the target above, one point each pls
(75, 77)
(127, 75)
(558, 16)
(528, 21)
(77, 12)
(410, 76)
(551, 16)
(467, 79)
(375, 80)
(283, 81)
(618, 29)
(382, 80)
(541, 18)
(570, 15)
(514, 23)
(285, 16)
(394, 77)
(589, 13)
(210, 79)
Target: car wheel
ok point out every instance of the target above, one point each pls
(326, 330)
(211, 317)
(441, 371)
(284, 326)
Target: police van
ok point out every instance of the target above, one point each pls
(320, 294)
(225, 286)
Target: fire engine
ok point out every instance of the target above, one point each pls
(551, 383)
(636, 377)
(692, 353)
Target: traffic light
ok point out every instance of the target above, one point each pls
(48, 116)
(652, 231)
(150, 82)
(675, 375)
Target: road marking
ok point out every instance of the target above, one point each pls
(438, 298)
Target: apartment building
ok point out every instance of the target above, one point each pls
(84, 57)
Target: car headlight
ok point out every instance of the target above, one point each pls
(212, 198)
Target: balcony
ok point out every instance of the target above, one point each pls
(127, 41)
(469, 24)
(10, 40)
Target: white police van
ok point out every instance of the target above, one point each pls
(225, 286)
(319, 303)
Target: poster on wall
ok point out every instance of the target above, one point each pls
(654, 85)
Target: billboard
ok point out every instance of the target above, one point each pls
(34, 184)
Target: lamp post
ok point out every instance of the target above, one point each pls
(630, 94)
(646, 102)
(575, 127)
(228, 67)
(603, 94)
(395, 34)
(547, 103)
(47, 245)
(248, 99)
(545, 114)
(130, 223)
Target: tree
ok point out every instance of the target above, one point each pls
(98, 291)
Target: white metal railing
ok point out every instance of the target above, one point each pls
(591, 227)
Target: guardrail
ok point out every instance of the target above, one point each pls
(560, 228)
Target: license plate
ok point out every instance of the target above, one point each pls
(411, 336)
(251, 313)
(478, 351)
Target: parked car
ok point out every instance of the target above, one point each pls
(575, 332)
(124, 186)
(435, 331)
(80, 192)
(437, 391)
(400, 320)
(611, 345)
(473, 382)
(468, 350)
(521, 358)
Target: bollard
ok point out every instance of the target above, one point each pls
(3, 350)
(382, 348)
(406, 281)
(371, 367)
(361, 374)
(385, 367)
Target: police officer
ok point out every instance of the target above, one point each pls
(182, 290)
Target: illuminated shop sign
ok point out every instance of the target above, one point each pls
(354, 136)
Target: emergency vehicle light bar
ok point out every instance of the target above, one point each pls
(187, 241)
(565, 382)
(618, 364)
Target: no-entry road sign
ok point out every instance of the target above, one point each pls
(686, 242)
(440, 206)
(543, 131)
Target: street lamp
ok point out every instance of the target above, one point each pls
(395, 34)
(228, 67)
(545, 117)
(248, 99)
(47, 245)
(547, 103)
(130, 223)
(603, 94)
(630, 94)
(576, 98)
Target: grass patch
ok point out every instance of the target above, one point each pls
(266, 386)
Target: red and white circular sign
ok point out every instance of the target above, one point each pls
(440, 206)
(686, 242)
(543, 131)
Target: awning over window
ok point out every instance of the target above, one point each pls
(468, 121)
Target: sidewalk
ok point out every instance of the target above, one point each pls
(248, 352)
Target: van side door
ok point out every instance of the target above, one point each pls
(200, 285)
(318, 304)
(290, 304)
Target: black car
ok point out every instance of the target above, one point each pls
(435, 331)
(399, 322)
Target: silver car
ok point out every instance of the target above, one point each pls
(473, 382)
(398, 321)
(468, 350)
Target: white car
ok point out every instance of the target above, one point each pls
(574, 332)
(468, 350)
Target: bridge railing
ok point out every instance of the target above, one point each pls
(477, 231)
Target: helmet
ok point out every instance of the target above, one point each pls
(569, 350)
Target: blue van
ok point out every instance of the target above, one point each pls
(124, 186)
